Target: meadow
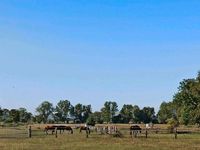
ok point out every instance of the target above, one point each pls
(16, 138)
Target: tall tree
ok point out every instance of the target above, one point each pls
(71, 111)
(109, 110)
(14, 115)
(147, 114)
(5, 115)
(78, 110)
(136, 114)
(87, 110)
(1, 114)
(24, 115)
(98, 117)
(44, 110)
(165, 112)
(62, 110)
(187, 100)
(127, 113)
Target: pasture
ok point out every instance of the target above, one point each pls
(16, 138)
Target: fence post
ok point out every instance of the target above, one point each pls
(175, 132)
(29, 132)
(87, 132)
(132, 133)
(135, 134)
(56, 132)
(146, 133)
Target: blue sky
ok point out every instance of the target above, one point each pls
(90, 51)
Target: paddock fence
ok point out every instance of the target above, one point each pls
(34, 131)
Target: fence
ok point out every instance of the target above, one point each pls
(29, 132)
(12, 132)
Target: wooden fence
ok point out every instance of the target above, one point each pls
(29, 132)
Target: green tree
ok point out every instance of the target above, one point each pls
(187, 100)
(109, 110)
(91, 120)
(147, 114)
(136, 114)
(87, 110)
(71, 111)
(1, 114)
(127, 113)
(78, 110)
(24, 115)
(5, 115)
(165, 112)
(14, 115)
(98, 117)
(62, 110)
(44, 111)
(38, 119)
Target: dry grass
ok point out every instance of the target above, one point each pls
(16, 138)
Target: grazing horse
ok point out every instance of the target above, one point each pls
(84, 128)
(49, 128)
(136, 129)
(61, 128)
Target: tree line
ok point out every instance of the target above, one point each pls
(65, 112)
(183, 109)
(185, 106)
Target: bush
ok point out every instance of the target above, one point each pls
(173, 123)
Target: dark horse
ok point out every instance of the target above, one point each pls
(61, 128)
(84, 128)
(135, 128)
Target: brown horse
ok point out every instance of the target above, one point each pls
(135, 128)
(61, 128)
(84, 128)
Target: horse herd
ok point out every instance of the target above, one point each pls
(102, 130)
(61, 128)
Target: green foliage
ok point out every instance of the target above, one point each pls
(136, 114)
(187, 101)
(62, 110)
(78, 110)
(81, 112)
(87, 110)
(165, 112)
(24, 115)
(185, 117)
(184, 109)
(127, 113)
(14, 115)
(173, 123)
(185, 105)
(91, 120)
(147, 114)
(5, 115)
(109, 110)
(44, 111)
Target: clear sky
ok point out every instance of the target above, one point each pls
(90, 51)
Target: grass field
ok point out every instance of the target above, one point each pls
(16, 138)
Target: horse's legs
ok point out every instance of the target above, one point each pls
(46, 132)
